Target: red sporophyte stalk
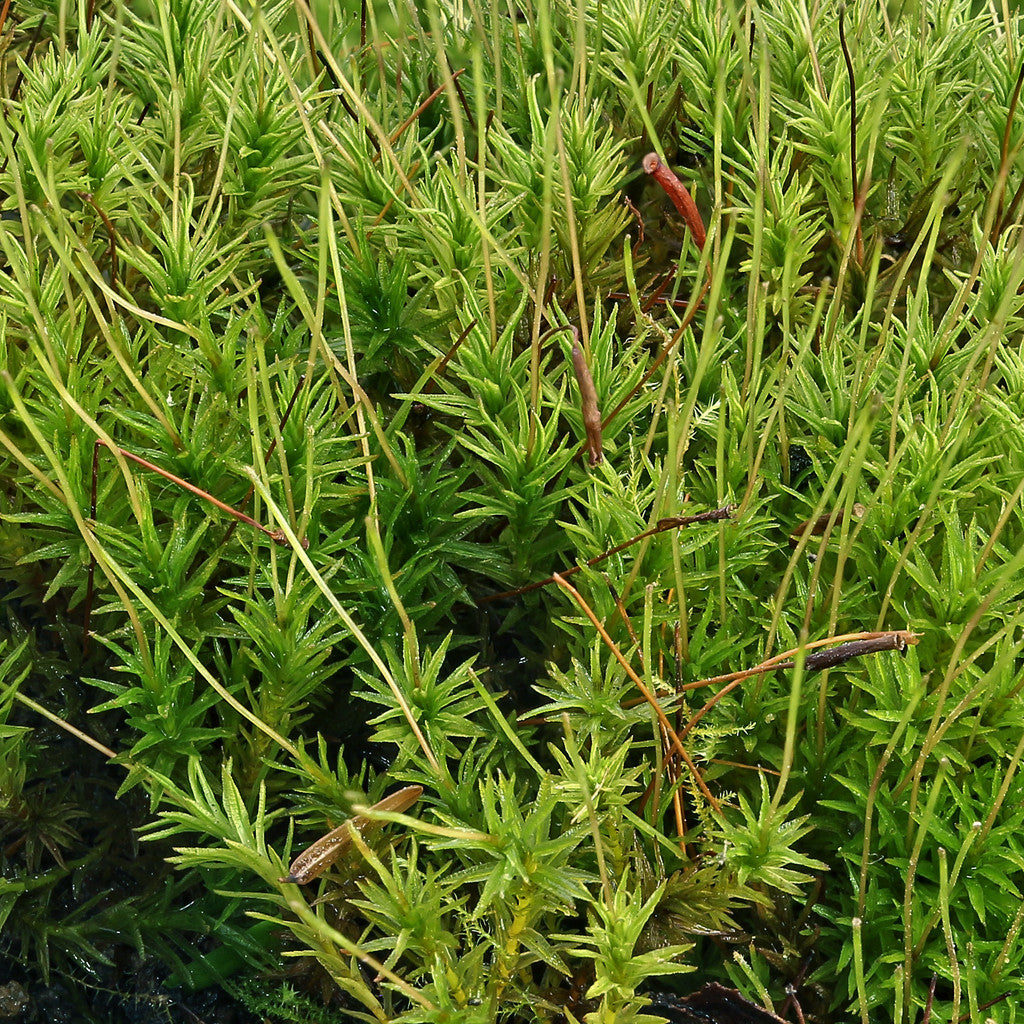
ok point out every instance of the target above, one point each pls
(677, 192)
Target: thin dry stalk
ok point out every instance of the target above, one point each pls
(670, 733)
(669, 523)
(277, 536)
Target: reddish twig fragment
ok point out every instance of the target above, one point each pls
(685, 205)
(316, 859)
(931, 997)
(462, 98)
(678, 193)
(652, 300)
(672, 740)
(413, 171)
(653, 368)
(965, 1016)
(443, 365)
(892, 640)
(588, 400)
(670, 523)
(277, 536)
(639, 221)
(400, 130)
(1004, 163)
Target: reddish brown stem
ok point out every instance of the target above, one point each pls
(816, 527)
(651, 300)
(277, 536)
(1004, 161)
(653, 369)
(413, 171)
(462, 99)
(853, 649)
(111, 234)
(400, 130)
(666, 726)
(931, 997)
(639, 222)
(856, 644)
(902, 636)
(678, 193)
(670, 523)
(966, 1015)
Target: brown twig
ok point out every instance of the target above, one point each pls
(639, 222)
(448, 356)
(851, 645)
(410, 174)
(816, 527)
(926, 1019)
(462, 98)
(1011, 211)
(653, 368)
(401, 129)
(1004, 162)
(624, 615)
(277, 536)
(684, 203)
(908, 638)
(336, 86)
(657, 296)
(966, 1015)
(894, 641)
(653, 300)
